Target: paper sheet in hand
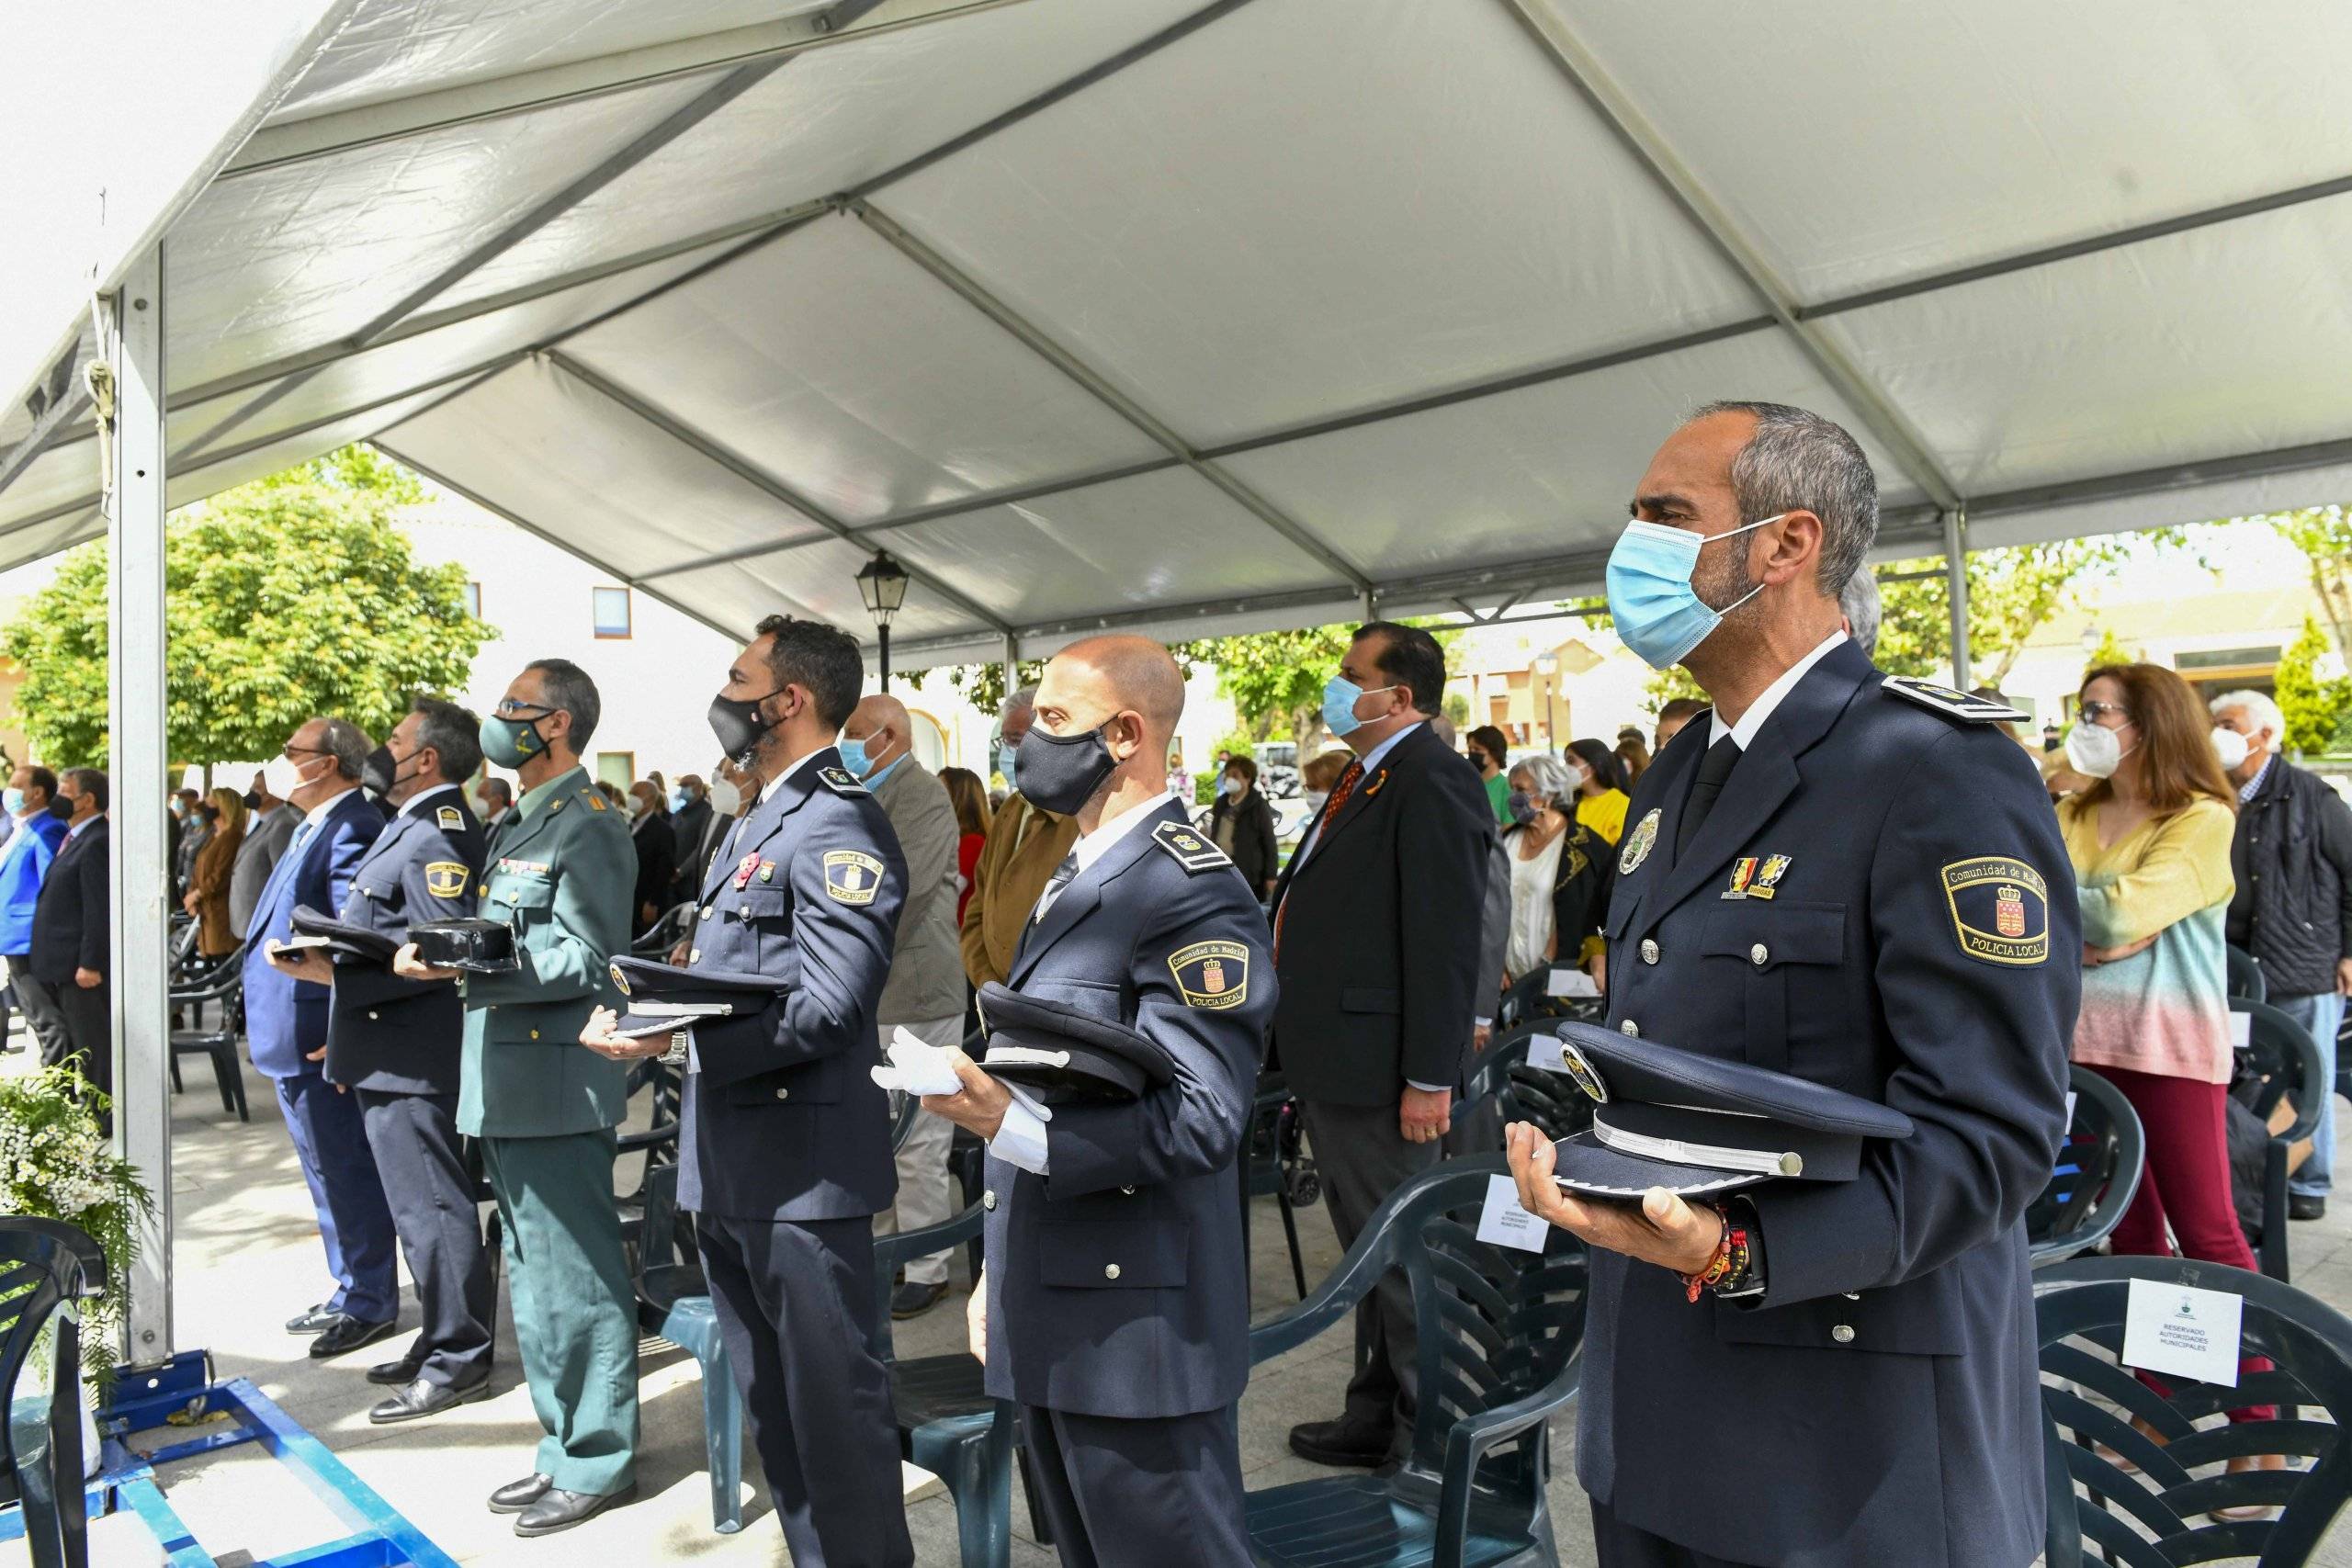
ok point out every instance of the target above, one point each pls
(1544, 1051)
(299, 944)
(1570, 983)
(916, 1067)
(2183, 1330)
(1505, 1221)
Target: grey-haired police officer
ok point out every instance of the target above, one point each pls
(1114, 1308)
(785, 1155)
(1859, 882)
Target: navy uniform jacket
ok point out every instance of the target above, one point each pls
(286, 1019)
(1117, 1282)
(385, 1033)
(784, 1120)
(1908, 934)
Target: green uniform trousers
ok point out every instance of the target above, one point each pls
(575, 1317)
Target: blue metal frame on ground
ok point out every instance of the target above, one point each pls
(182, 1391)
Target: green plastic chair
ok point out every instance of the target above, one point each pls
(1501, 1333)
(47, 1268)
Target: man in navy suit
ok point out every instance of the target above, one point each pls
(1115, 1309)
(69, 963)
(286, 1027)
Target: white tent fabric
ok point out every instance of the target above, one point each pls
(1201, 315)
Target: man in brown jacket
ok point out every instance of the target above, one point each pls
(1025, 842)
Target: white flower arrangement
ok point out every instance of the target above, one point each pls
(56, 1164)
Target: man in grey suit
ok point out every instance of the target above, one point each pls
(268, 833)
(925, 990)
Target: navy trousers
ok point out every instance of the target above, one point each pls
(1164, 1493)
(414, 1137)
(795, 1304)
(355, 1222)
(1619, 1545)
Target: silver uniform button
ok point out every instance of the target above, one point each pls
(988, 1200)
(373, 1015)
(783, 1094)
(1843, 1333)
(1649, 951)
(1630, 1029)
(707, 909)
(1758, 954)
(1124, 1192)
(1109, 1271)
(694, 956)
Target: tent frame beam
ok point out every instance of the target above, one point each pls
(750, 473)
(337, 131)
(1099, 386)
(1584, 72)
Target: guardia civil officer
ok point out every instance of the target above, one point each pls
(395, 1043)
(1857, 881)
(1114, 1307)
(560, 873)
(785, 1155)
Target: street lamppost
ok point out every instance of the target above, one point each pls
(882, 585)
(1546, 666)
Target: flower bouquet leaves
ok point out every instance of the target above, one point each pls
(56, 1164)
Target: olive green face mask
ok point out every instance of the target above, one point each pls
(511, 742)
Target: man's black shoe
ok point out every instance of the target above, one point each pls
(517, 1495)
(393, 1375)
(425, 1397)
(1340, 1442)
(314, 1320)
(914, 1300)
(349, 1334)
(559, 1510)
(2300, 1207)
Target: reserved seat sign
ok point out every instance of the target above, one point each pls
(2183, 1330)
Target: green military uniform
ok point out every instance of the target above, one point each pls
(559, 871)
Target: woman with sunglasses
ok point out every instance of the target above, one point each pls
(2150, 843)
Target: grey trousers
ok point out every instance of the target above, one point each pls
(43, 1013)
(1363, 1158)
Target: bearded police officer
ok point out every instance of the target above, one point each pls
(1114, 1307)
(786, 1150)
(1856, 880)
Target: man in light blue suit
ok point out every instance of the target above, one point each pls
(286, 1027)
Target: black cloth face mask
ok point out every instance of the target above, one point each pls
(736, 721)
(380, 773)
(1061, 772)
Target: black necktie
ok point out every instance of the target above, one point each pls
(1713, 769)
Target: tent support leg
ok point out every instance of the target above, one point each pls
(1956, 583)
(133, 345)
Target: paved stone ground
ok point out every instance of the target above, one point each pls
(248, 1257)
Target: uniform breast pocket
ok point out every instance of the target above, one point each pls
(766, 913)
(1788, 954)
(521, 902)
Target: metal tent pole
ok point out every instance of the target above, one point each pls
(138, 765)
(1956, 580)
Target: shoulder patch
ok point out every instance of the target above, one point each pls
(1213, 974)
(1188, 848)
(595, 799)
(445, 878)
(2000, 910)
(852, 876)
(449, 818)
(1955, 704)
(841, 780)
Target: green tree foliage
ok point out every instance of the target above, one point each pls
(2324, 536)
(284, 599)
(2318, 710)
(2111, 649)
(2012, 593)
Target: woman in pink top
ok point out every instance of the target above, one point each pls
(2150, 842)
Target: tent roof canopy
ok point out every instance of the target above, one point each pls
(1204, 315)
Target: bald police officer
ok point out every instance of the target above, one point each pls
(786, 1150)
(1857, 880)
(1114, 1307)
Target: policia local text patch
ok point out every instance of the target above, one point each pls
(2000, 910)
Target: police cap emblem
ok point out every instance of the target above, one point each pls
(2000, 910)
(445, 878)
(1211, 974)
(852, 876)
(619, 979)
(1638, 842)
(1585, 1075)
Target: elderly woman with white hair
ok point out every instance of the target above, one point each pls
(1561, 872)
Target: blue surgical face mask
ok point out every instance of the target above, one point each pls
(1005, 752)
(1341, 696)
(853, 756)
(15, 802)
(1658, 613)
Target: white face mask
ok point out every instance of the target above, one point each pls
(2231, 747)
(1315, 799)
(725, 798)
(284, 775)
(2095, 752)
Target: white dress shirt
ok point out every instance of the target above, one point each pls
(1372, 759)
(1744, 732)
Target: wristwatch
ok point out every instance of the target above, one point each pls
(1746, 1283)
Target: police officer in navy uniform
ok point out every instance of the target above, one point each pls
(1857, 881)
(395, 1042)
(785, 1155)
(1114, 1307)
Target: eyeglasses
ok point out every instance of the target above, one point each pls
(2091, 713)
(290, 752)
(512, 707)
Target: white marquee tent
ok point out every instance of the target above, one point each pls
(1185, 315)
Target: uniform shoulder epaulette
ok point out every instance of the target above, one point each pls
(1952, 704)
(1188, 848)
(448, 818)
(841, 780)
